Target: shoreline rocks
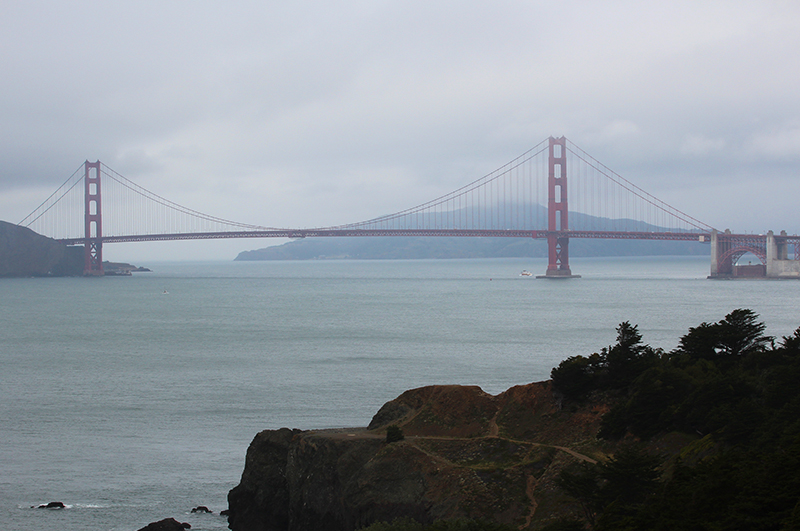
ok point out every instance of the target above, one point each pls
(51, 505)
(167, 524)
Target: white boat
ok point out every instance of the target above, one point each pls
(526, 273)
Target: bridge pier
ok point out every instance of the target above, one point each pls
(719, 268)
(771, 250)
(778, 263)
(557, 212)
(558, 258)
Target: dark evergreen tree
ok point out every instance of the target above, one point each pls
(728, 383)
(611, 494)
(699, 343)
(577, 376)
(581, 481)
(740, 333)
(628, 358)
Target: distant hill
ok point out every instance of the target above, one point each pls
(398, 247)
(395, 248)
(24, 253)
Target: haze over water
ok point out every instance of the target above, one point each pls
(131, 405)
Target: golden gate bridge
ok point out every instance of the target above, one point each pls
(554, 191)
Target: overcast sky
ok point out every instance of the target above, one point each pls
(320, 113)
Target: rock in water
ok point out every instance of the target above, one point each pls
(52, 505)
(167, 524)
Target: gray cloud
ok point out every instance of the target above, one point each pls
(315, 113)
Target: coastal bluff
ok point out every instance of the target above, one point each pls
(465, 454)
(24, 253)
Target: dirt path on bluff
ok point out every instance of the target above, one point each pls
(346, 433)
(529, 490)
(494, 429)
(364, 433)
(531, 482)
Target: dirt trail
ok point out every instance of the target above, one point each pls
(530, 480)
(573, 453)
(529, 489)
(494, 429)
(363, 433)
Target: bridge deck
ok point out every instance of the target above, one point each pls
(470, 233)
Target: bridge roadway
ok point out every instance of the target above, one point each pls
(470, 233)
(726, 248)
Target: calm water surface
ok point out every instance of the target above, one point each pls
(131, 405)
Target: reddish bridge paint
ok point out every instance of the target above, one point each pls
(500, 204)
(558, 211)
(93, 219)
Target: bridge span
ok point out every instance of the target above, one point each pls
(526, 198)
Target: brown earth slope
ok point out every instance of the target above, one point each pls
(466, 454)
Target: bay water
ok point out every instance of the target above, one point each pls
(133, 399)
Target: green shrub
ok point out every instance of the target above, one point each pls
(394, 434)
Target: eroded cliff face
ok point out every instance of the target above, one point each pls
(24, 253)
(466, 454)
(262, 497)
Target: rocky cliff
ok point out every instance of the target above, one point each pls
(24, 253)
(466, 454)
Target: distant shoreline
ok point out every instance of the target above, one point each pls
(405, 248)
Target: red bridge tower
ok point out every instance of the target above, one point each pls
(557, 212)
(93, 242)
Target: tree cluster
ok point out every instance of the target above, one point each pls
(728, 385)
